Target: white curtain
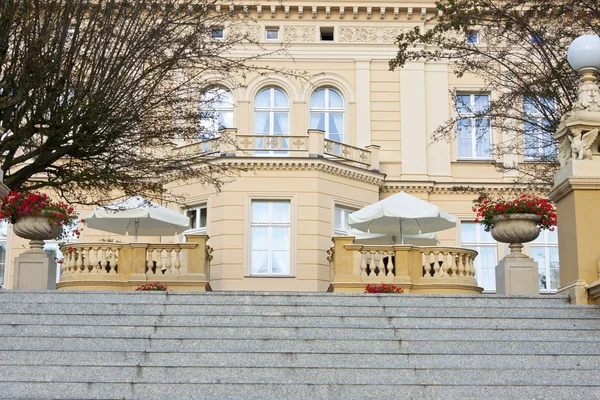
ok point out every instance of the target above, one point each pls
(281, 250)
(280, 123)
(261, 123)
(259, 263)
(465, 138)
(483, 144)
(317, 100)
(263, 99)
(317, 121)
(336, 127)
(487, 263)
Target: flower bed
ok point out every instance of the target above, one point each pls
(383, 288)
(153, 287)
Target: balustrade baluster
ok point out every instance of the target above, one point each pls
(363, 263)
(177, 265)
(103, 261)
(390, 264)
(375, 264)
(150, 263)
(167, 262)
(426, 264)
(93, 260)
(471, 266)
(78, 260)
(436, 263)
(460, 264)
(446, 271)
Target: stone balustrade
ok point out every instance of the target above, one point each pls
(313, 144)
(415, 269)
(125, 266)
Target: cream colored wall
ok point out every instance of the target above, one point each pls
(313, 194)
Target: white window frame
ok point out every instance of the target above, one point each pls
(546, 245)
(272, 110)
(272, 29)
(474, 135)
(270, 225)
(218, 108)
(540, 135)
(477, 245)
(328, 110)
(345, 229)
(198, 209)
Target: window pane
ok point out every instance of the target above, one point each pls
(468, 232)
(463, 104)
(281, 211)
(481, 103)
(281, 239)
(336, 127)
(335, 100)
(281, 99)
(262, 123)
(272, 34)
(259, 262)
(317, 121)
(539, 255)
(263, 99)
(529, 106)
(552, 235)
(485, 237)
(317, 100)
(2, 261)
(260, 238)
(203, 217)
(193, 215)
(554, 265)
(280, 123)
(487, 262)
(260, 211)
(483, 143)
(338, 218)
(281, 262)
(225, 119)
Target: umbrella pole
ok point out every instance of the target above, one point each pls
(402, 229)
(136, 228)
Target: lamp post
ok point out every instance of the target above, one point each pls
(576, 189)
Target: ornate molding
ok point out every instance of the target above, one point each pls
(302, 34)
(306, 164)
(368, 34)
(449, 188)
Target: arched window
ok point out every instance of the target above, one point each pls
(216, 111)
(327, 113)
(271, 112)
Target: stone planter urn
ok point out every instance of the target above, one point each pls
(516, 273)
(36, 228)
(516, 229)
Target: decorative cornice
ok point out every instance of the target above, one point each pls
(574, 183)
(304, 164)
(452, 188)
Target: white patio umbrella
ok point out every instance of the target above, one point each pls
(425, 239)
(401, 214)
(138, 216)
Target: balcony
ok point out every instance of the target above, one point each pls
(423, 270)
(125, 266)
(313, 144)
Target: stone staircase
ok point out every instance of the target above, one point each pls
(152, 345)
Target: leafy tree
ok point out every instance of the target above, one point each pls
(95, 93)
(518, 49)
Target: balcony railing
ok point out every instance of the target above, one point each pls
(416, 269)
(313, 144)
(123, 266)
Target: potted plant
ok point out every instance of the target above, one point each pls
(517, 220)
(35, 217)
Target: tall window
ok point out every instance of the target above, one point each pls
(327, 113)
(474, 131)
(3, 233)
(270, 238)
(216, 111)
(473, 236)
(198, 218)
(544, 250)
(271, 113)
(341, 220)
(539, 143)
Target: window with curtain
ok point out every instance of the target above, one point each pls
(473, 236)
(215, 111)
(474, 133)
(270, 238)
(198, 219)
(539, 143)
(341, 220)
(544, 250)
(327, 113)
(271, 117)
